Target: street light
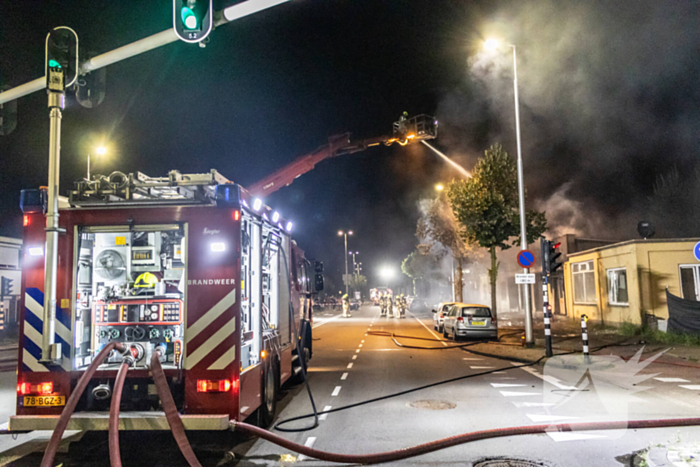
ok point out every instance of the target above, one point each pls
(354, 263)
(100, 151)
(345, 278)
(439, 187)
(386, 273)
(494, 44)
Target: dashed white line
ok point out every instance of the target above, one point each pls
(350, 365)
(363, 341)
(354, 357)
(309, 443)
(672, 380)
(325, 415)
(482, 367)
(520, 405)
(507, 385)
(547, 417)
(516, 394)
(336, 391)
(360, 345)
(357, 351)
(344, 377)
(692, 387)
(472, 359)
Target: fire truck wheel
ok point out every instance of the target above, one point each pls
(270, 389)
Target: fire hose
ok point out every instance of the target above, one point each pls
(115, 459)
(55, 441)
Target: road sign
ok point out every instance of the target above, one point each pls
(696, 251)
(524, 278)
(526, 258)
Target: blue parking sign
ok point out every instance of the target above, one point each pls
(696, 251)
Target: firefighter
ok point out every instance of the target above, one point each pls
(402, 306)
(382, 304)
(390, 305)
(346, 306)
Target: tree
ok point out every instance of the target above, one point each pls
(357, 282)
(486, 206)
(419, 266)
(438, 227)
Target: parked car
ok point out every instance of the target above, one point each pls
(466, 320)
(439, 313)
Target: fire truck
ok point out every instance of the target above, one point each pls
(189, 265)
(190, 270)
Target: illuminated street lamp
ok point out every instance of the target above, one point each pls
(439, 187)
(386, 273)
(100, 151)
(493, 45)
(345, 234)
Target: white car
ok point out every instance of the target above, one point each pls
(439, 314)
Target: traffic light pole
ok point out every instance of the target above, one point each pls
(227, 15)
(547, 317)
(50, 351)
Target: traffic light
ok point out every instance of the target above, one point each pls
(550, 255)
(5, 287)
(192, 19)
(61, 58)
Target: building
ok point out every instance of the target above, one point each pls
(624, 282)
(10, 271)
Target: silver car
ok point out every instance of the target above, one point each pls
(439, 314)
(466, 320)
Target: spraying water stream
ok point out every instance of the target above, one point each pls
(461, 169)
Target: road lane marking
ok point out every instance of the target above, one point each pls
(547, 417)
(336, 391)
(309, 443)
(354, 357)
(472, 359)
(516, 394)
(360, 345)
(692, 387)
(324, 322)
(426, 327)
(344, 377)
(357, 351)
(363, 341)
(520, 405)
(323, 416)
(548, 378)
(672, 380)
(481, 367)
(508, 385)
(559, 436)
(350, 365)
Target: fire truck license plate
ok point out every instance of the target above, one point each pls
(44, 401)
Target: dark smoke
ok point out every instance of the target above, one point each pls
(610, 108)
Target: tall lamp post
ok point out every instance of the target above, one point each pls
(345, 234)
(386, 273)
(493, 44)
(100, 151)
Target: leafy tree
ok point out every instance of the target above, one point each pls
(486, 206)
(419, 266)
(439, 228)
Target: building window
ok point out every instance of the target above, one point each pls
(617, 287)
(690, 282)
(584, 282)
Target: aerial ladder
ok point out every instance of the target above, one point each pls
(404, 131)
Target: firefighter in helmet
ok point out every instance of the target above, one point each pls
(390, 305)
(346, 306)
(382, 304)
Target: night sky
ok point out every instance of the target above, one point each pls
(610, 102)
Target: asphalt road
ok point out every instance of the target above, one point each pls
(350, 366)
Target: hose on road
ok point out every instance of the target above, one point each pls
(115, 459)
(394, 336)
(57, 435)
(392, 456)
(171, 413)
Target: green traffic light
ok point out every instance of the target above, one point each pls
(54, 64)
(188, 18)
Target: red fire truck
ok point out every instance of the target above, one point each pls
(191, 266)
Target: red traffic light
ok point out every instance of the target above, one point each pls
(556, 245)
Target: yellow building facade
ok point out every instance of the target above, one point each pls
(625, 281)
